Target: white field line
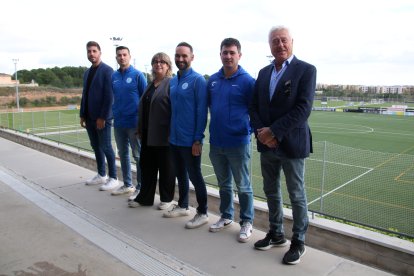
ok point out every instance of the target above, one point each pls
(60, 132)
(337, 188)
(53, 127)
(337, 126)
(394, 133)
(342, 164)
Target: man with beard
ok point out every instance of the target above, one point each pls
(188, 95)
(96, 116)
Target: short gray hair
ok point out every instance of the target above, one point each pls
(279, 28)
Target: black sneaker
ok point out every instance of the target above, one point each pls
(270, 241)
(296, 250)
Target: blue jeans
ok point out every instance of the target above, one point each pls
(189, 166)
(125, 138)
(233, 161)
(100, 140)
(294, 170)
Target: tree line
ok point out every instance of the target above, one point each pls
(72, 77)
(65, 77)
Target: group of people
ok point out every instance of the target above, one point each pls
(163, 124)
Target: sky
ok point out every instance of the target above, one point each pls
(355, 42)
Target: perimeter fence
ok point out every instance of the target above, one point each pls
(368, 188)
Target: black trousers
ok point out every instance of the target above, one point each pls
(156, 160)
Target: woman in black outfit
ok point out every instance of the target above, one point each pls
(154, 114)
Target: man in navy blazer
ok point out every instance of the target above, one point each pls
(279, 111)
(96, 116)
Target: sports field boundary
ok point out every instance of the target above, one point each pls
(370, 248)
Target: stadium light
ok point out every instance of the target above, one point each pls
(146, 72)
(15, 60)
(116, 41)
(270, 57)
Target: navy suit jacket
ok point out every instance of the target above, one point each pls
(100, 96)
(288, 111)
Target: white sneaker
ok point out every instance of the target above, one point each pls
(245, 231)
(164, 205)
(97, 179)
(134, 195)
(220, 224)
(197, 221)
(111, 184)
(123, 190)
(133, 204)
(176, 211)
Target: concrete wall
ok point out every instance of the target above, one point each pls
(367, 247)
(6, 80)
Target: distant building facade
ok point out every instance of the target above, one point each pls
(6, 81)
(397, 89)
(394, 89)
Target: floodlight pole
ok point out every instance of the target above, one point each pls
(15, 60)
(270, 57)
(146, 72)
(116, 41)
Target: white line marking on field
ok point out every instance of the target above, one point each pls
(52, 130)
(342, 164)
(343, 185)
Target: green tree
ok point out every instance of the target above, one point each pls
(66, 77)
(23, 101)
(67, 81)
(50, 101)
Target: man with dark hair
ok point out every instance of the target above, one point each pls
(128, 85)
(96, 115)
(229, 92)
(188, 121)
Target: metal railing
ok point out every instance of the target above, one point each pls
(369, 188)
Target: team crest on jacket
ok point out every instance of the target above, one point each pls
(185, 85)
(129, 80)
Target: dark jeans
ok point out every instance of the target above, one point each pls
(101, 144)
(189, 166)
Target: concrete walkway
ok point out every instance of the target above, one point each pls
(52, 224)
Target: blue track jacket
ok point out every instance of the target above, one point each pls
(188, 95)
(228, 100)
(128, 87)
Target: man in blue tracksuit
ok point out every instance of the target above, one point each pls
(229, 92)
(128, 85)
(188, 97)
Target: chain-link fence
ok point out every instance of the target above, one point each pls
(370, 188)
